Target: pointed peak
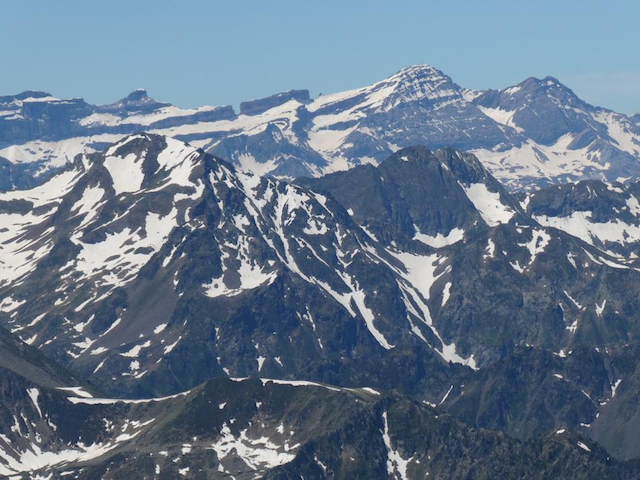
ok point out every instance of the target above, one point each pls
(419, 72)
(418, 69)
(143, 160)
(413, 83)
(147, 142)
(147, 138)
(417, 82)
(541, 83)
(528, 89)
(142, 138)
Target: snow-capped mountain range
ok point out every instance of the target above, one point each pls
(532, 134)
(407, 280)
(147, 269)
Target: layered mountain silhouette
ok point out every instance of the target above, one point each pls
(533, 134)
(268, 428)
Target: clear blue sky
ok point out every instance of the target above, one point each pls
(199, 52)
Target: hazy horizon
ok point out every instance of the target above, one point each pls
(223, 53)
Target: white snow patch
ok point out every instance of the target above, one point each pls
(257, 453)
(79, 391)
(33, 395)
(160, 328)
(446, 293)
(251, 276)
(440, 240)
(584, 447)
(490, 251)
(614, 387)
(488, 204)
(396, 465)
(539, 241)
(126, 173)
(579, 224)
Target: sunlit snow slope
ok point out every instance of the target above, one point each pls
(529, 135)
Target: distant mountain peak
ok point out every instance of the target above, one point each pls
(544, 85)
(138, 100)
(137, 95)
(419, 69)
(24, 95)
(261, 105)
(532, 133)
(411, 84)
(546, 81)
(417, 78)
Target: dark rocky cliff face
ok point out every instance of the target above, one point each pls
(274, 429)
(152, 267)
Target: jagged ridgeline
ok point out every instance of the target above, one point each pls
(369, 297)
(532, 134)
(269, 429)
